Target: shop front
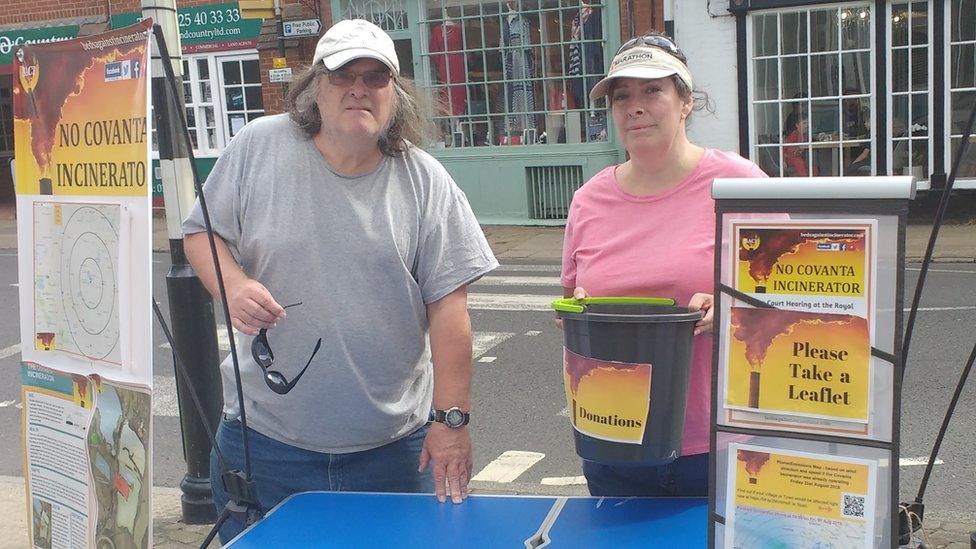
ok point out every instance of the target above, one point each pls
(844, 88)
(221, 79)
(516, 129)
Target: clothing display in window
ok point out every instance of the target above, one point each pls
(519, 67)
(447, 37)
(585, 57)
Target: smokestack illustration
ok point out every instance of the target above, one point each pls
(754, 462)
(762, 248)
(757, 328)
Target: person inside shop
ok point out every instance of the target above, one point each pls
(333, 208)
(646, 227)
(795, 157)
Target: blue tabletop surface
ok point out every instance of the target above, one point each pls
(346, 519)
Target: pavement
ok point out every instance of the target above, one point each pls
(956, 243)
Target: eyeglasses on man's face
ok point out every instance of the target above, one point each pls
(264, 356)
(657, 41)
(372, 79)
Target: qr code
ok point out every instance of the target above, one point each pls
(853, 506)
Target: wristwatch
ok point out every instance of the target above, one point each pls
(452, 417)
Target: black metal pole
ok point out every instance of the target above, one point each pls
(191, 306)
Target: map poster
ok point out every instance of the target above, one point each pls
(81, 137)
(782, 498)
(806, 362)
(87, 460)
(607, 400)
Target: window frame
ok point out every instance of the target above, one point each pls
(751, 101)
(425, 80)
(216, 65)
(929, 91)
(947, 152)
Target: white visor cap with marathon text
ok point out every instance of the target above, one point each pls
(646, 62)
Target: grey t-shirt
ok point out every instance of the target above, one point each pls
(364, 255)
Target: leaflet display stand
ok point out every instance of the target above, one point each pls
(806, 384)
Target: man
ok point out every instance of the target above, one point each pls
(333, 207)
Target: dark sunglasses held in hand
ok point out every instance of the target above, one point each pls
(373, 79)
(261, 351)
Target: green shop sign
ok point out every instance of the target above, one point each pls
(216, 27)
(11, 40)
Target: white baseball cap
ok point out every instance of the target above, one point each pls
(354, 39)
(645, 62)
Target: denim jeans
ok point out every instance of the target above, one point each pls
(280, 470)
(685, 476)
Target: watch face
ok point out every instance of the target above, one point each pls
(454, 418)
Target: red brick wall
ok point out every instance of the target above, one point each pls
(648, 16)
(298, 53)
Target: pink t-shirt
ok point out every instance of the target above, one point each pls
(618, 244)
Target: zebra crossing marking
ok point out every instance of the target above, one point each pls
(508, 466)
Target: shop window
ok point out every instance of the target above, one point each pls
(389, 15)
(241, 84)
(201, 118)
(515, 72)
(909, 76)
(221, 93)
(812, 72)
(962, 81)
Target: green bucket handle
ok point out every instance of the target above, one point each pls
(573, 305)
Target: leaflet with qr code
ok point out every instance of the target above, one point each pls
(852, 506)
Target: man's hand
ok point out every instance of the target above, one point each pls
(252, 307)
(448, 451)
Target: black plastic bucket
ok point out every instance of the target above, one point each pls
(609, 344)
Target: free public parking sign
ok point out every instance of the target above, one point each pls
(302, 27)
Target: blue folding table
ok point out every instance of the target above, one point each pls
(349, 519)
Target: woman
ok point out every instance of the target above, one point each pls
(333, 208)
(795, 157)
(647, 228)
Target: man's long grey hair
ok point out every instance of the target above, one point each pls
(410, 125)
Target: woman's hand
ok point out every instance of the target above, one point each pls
(578, 293)
(252, 307)
(702, 302)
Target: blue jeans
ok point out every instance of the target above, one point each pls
(685, 476)
(280, 470)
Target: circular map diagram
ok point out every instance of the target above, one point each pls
(89, 281)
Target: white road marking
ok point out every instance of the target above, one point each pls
(15, 285)
(495, 280)
(923, 460)
(563, 481)
(564, 412)
(508, 466)
(542, 303)
(487, 359)
(917, 269)
(510, 302)
(8, 403)
(936, 309)
(530, 268)
(10, 351)
(485, 341)
(532, 333)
